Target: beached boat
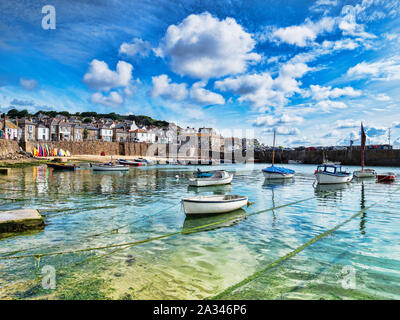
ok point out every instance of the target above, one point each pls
(215, 178)
(61, 166)
(363, 173)
(331, 174)
(385, 177)
(213, 204)
(109, 167)
(273, 172)
(131, 163)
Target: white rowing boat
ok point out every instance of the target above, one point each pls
(365, 173)
(213, 204)
(109, 167)
(216, 178)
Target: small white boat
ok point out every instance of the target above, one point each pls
(366, 173)
(213, 204)
(331, 174)
(215, 178)
(109, 167)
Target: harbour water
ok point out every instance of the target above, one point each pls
(201, 257)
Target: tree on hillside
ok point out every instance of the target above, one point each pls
(85, 133)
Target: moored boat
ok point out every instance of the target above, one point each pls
(109, 167)
(273, 172)
(131, 163)
(215, 178)
(61, 166)
(363, 173)
(143, 160)
(213, 204)
(331, 174)
(385, 177)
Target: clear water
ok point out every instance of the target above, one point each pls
(82, 209)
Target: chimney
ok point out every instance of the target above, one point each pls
(16, 121)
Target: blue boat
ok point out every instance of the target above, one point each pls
(273, 172)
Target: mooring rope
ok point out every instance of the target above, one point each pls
(135, 243)
(114, 230)
(290, 254)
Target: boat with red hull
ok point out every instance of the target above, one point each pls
(385, 177)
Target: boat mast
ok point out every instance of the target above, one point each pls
(362, 146)
(273, 150)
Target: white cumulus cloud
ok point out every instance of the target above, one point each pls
(136, 47)
(203, 96)
(304, 34)
(329, 105)
(321, 92)
(261, 90)
(164, 88)
(284, 119)
(112, 100)
(202, 46)
(283, 131)
(386, 69)
(100, 77)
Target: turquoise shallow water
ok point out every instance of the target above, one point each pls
(82, 209)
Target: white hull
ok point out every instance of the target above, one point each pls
(110, 168)
(295, 162)
(332, 179)
(203, 182)
(364, 174)
(212, 204)
(269, 175)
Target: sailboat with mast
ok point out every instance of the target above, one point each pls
(363, 173)
(274, 172)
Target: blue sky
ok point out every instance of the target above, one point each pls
(312, 70)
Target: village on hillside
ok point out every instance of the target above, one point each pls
(48, 127)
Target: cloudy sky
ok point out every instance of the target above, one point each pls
(312, 70)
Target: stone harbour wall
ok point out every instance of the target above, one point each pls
(346, 157)
(94, 147)
(8, 147)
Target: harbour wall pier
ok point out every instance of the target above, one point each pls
(346, 157)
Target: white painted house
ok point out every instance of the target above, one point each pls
(142, 135)
(106, 133)
(42, 133)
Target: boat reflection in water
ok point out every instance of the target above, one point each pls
(217, 190)
(330, 191)
(272, 184)
(210, 222)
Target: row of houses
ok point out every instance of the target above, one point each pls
(60, 128)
